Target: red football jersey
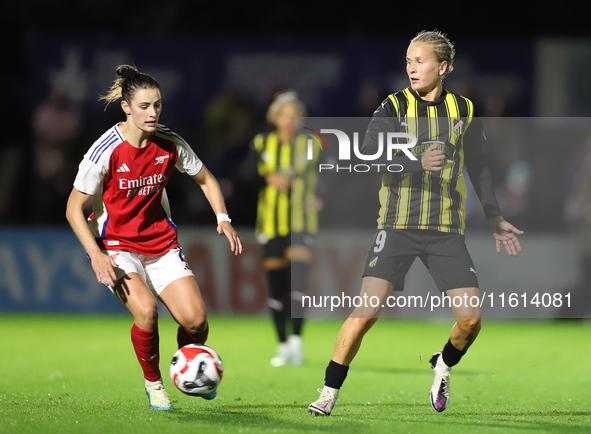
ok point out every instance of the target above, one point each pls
(130, 208)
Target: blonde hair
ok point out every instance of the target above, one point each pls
(282, 98)
(129, 80)
(443, 48)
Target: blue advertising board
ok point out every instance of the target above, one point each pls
(46, 269)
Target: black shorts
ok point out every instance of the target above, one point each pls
(276, 247)
(445, 255)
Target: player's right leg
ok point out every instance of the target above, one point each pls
(462, 335)
(139, 300)
(348, 343)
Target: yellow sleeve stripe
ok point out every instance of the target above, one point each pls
(396, 105)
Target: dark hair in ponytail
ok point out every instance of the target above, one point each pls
(129, 80)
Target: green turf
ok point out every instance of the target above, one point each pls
(79, 374)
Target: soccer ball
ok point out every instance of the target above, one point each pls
(196, 370)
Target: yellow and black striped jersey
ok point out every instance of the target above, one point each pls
(281, 213)
(433, 200)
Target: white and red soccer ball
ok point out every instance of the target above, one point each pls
(196, 370)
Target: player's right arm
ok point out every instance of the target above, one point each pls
(281, 181)
(102, 264)
(384, 120)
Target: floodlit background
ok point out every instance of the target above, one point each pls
(219, 65)
(67, 364)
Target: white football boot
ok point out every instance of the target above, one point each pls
(158, 395)
(324, 405)
(296, 353)
(283, 356)
(439, 392)
(210, 395)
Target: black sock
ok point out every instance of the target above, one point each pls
(451, 355)
(335, 374)
(298, 281)
(297, 323)
(278, 315)
(276, 302)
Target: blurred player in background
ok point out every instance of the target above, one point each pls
(287, 219)
(577, 215)
(129, 237)
(422, 212)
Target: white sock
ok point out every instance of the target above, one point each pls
(333, 392)
(441, 364)
(295, 341)
(154, 383)
(283, 349)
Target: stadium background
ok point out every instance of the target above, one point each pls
(219, 66)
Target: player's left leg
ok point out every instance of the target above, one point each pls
(467, 313)
(449, 263)
(299, 258)
(183, 300)
(466, 307)
(173, 281)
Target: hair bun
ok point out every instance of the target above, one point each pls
(126, 71)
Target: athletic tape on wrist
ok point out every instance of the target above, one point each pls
(223, 218)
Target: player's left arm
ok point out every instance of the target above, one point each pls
(188, 162)
(504, 232)
(213, 193)
(475, 154)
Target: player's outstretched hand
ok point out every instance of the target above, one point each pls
(504, 232)
(103, 265)
(281, 181)
(226, 229)
(433, 159)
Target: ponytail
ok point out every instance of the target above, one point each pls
(129, 80)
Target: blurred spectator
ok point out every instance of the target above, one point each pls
(514, 197)
(11, 159)
(56, 126)
(227, 120)
(577, 214)
(15, 143)
(230, 126)
(371, 95)
(495, 106)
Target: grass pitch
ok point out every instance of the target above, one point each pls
(79, 374)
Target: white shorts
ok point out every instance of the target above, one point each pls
(157, 271)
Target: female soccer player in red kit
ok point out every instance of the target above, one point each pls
(130, 238)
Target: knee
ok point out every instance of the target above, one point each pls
(362, 325)
(469, 325)
(299, 254)
(196, 323)
(367, 315)
(147, 317)
(271, 264)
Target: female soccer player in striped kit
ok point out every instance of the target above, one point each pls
(422, 212)
(130, 238)
(287, 220)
